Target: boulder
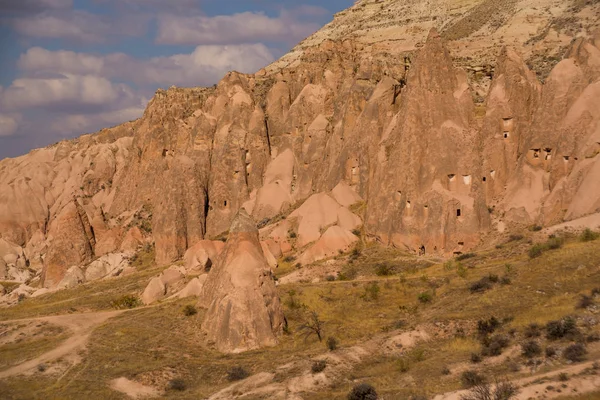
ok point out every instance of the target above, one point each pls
(155, 291)
(193, 288)
(72, 278)
(318, 212)
(333, 241)
(109, 264)
(172, 275)
(244, 310)
(345, 195)
(271, 260)
(202, 255)
(132, 240)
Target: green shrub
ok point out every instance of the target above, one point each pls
(531, 349)
(476, 358)
(362, 391)
(383, 269)
(589, 235)
(535, 228)
(471, 378)
(575, 352)
(465, 256)
(332, 343)
(532, 330)
(536, 250)
(176, 384)
(515, 238)
(189, 310)
(481, 285)
(494, 346)
(550, 351)
(563, 377)
(565, 327)
(330, 278)
(237, 374)
(127, 301)
(318, 366)
(425, 297)
(554, 243)
(371, 291)
(289, 259)
(485, 327)
(585, 301)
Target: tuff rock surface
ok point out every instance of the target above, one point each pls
(244, 310)
(430, 123)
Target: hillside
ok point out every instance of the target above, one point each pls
(398, 140)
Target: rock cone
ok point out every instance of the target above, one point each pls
(244, 311)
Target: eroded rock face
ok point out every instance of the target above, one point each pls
(244, 310)
(443, 137)
(72, 244)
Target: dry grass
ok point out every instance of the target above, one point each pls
(150, 341)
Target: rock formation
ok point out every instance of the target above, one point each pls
(244, 311)
(446, 120)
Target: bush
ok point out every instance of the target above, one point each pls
(554, 243)
(481, 285)
(293, 235)
(177, 384)
(383, 270)
(403, 364)
(356, 232)
(332, 343)
(550, 351)
(330, 278)
(371, 291)
(42, 367)
(494, 346)
(289, 259)
(189, 310)
(425, 297)
(446, 371)
(471, 378)
(563, 377)
(536, 251)
(466, 256)
(476, 358)
(126, 302)
(318, 366)
(363, 391)
(593, 337)
(515, 238)
(565, 327)
(237, 374)
(532, 330)
(585, 301)
(502, 391)
(589, 235)
(485, 327)
(536, 228)
(531, 349)
(575, 352)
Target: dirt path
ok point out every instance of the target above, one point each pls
(528, 389)
(80, 325)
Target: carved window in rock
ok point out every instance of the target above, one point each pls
(548, 155)
(458, 212)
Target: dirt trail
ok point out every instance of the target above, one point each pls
(81, 327)
(528, 389)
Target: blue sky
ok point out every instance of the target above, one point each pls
(71, 67)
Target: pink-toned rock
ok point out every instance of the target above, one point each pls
(155, 291)
(193, 288)
(271, 260)
(345, 195)
(244, 310)
(171, 276)
(202, 255)
(348, 220)
(132, 240)
(274, 247)
(333, 241)
(275, 193)
(316, 213)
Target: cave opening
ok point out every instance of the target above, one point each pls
(458, 212)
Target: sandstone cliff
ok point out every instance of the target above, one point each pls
(449, 119)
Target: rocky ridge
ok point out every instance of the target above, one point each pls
(439, 119)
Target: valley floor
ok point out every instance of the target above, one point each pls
(409, 326)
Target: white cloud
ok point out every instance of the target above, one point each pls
(80, 26)
(68, 91)
(244, 27)
(82, 123)
(9, 124)
(29, 6)
(204, 66)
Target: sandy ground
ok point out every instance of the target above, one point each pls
(80, 327)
